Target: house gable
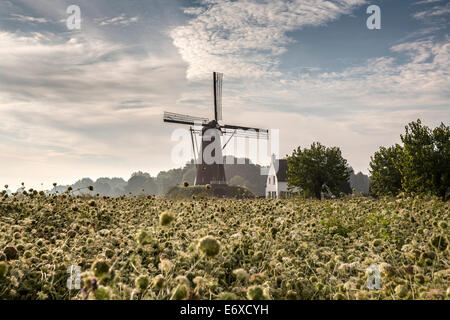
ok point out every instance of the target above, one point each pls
(276, 184)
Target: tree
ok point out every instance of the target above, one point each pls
(345, 187)
(386, 178)
(425, 164)
(310, 169)
(189, 175)
(110, 186)
(102, 188)
(167, 179)
(441, 177)
(141, 183)
(421, 165)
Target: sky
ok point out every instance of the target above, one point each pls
(89, 102)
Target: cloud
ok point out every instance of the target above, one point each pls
(436, 11)
(426, 2)
(61, 109)
(22, 18)
(413, 77)
(79, 68)
(247, 36)
(194, 11)
(121, 20)
(359, 109)
(87, 104)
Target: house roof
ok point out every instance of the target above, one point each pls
(282, 170)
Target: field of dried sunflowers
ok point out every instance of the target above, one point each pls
(149, 248)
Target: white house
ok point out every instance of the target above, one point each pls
(276, 185)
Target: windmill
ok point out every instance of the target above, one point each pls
(207, 171)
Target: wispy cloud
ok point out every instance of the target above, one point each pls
(426, 2)
(246, 37)
(67, 97)
(412, 78)
(22, 18)
(121, 20)
(436, 11)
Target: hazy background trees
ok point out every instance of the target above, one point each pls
(359, 183)
(141, 183)
(246, 174)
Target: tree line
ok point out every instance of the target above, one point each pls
(246, 174)
(243, 174)
(421, 165)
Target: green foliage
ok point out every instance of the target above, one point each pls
(158, 282)
(420, 166)
(102, 293)
(425, 164)
(401, 291)
(337, 225)
(310, 169)
(385, 176)
(167, 179)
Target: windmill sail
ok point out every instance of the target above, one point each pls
(218, 95)
(245, 131)
(183, 119)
